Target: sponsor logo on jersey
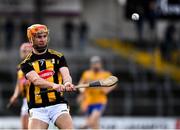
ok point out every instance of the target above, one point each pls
(46, 74)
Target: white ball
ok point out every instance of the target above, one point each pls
(135, 16)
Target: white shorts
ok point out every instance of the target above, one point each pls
(48, 114)
(24, 107)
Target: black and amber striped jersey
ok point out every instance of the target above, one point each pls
(47, 67)
(23, 83)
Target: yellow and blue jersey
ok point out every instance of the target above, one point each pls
(94, 96)
(23, 83)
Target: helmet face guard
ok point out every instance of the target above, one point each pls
(34, 30)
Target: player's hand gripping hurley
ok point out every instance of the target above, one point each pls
(108, 82)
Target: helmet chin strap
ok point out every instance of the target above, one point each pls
(40, 49)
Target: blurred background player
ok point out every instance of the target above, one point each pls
(21, 85)
(93, 100)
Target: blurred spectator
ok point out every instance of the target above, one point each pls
(9, 29)
(169, 44)
(68, 33)
(147, 12)
(83, 32)
(139, 23)
(151, 17)
(23, 28)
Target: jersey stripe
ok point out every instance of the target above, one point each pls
(50, 66)
(42, 66)
(38, 99)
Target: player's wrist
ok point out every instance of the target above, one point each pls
(66, 83)
(52, 85)
(14, 97)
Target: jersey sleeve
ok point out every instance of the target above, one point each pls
(62, 62)
(83, 77)
(26, 67)
(19, 74)
(82, 80)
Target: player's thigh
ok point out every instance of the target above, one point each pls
(24, 114)
(64, 121)
(94, 116)
(37, 124)
(24, 121)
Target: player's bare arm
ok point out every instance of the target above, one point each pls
(67, 80)
(15, 94)
(42, 83)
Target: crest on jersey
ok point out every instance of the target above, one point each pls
(53, 61)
